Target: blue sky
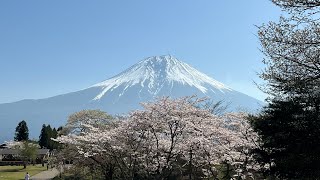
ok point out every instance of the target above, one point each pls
(54, 47)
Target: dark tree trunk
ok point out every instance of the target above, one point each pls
(109, 173)
(190, 164)
(42, 162)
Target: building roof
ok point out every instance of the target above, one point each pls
(43, 151)
(14, 151)
(8, 151)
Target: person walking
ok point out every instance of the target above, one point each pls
(27, 176)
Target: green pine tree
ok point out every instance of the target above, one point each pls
(22, 132)
(290, 140)
(43, 138)
(289, 127)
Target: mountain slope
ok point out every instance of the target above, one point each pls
(157, 72)
(153, 77)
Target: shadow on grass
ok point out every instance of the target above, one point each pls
(11, 170)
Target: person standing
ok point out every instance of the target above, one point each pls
(27, 177)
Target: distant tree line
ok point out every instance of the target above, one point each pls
(28, 148)
(46, 134)
(45, 137)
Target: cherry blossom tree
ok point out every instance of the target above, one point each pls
(168, 138)
(93, 117)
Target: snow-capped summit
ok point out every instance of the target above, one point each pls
(152, 77)
(157, 71)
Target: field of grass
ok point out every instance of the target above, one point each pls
(18, 173)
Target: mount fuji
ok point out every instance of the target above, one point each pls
(150, 78)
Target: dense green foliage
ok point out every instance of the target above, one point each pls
(22, 132)
(45, 137)
(28, 152)
(290, 136)
(289, 127)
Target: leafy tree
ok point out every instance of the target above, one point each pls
(292, 51)
(169, 139)
(45, 137)
(60, 128)
(93, 117)
(289, 127)
(53, 144)
(22, 132)
(27, 150)
(290, 138)
(298, 5)
(49, 132)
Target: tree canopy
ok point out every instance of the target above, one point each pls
(45, 137)
(290, 138)
(291, 47)
(22, 132)
(170, 138)
(76, 121)
(289, 127)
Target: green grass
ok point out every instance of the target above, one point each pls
(18, 173)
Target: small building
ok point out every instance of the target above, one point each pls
(8, 154)
(13, 153)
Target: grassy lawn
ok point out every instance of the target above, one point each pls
(18, 173)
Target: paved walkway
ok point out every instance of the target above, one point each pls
(46, 175)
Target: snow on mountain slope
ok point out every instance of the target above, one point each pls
(153, 77)
(155, 71)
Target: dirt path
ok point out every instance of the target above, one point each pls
(46, 175)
